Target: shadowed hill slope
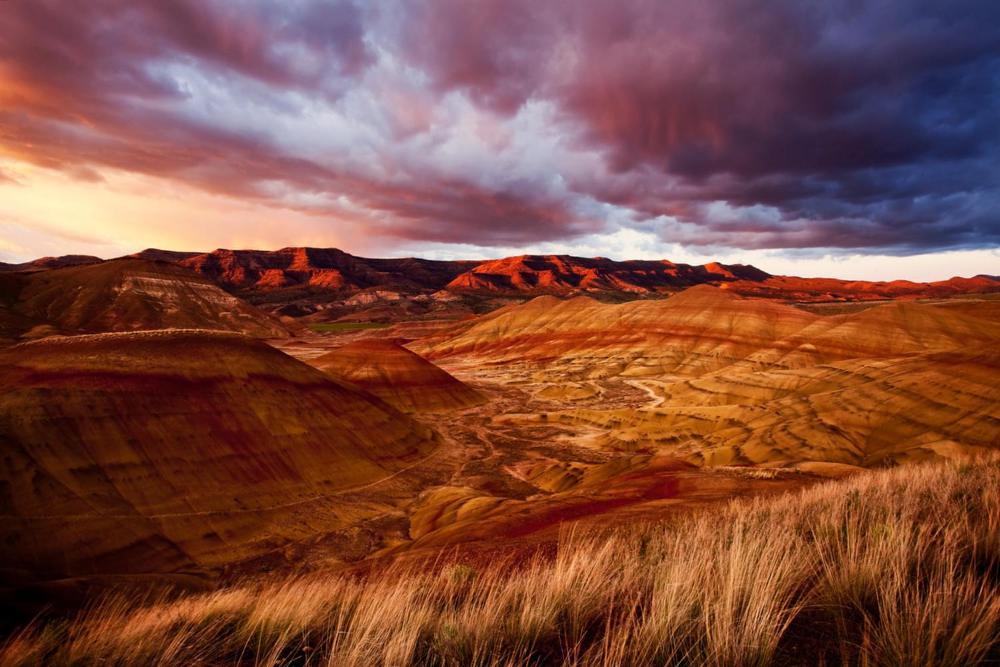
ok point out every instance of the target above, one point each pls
(156, 451)
(400, 377)
(129, 294)
(784, 582)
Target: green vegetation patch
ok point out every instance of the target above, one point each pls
(344, 327)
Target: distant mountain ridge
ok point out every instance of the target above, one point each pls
(333, 269)
(282, 276)
(323, 268)
(562, 273)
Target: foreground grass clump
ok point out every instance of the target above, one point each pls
(899, 567)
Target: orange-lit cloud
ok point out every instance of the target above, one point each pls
(128, 212)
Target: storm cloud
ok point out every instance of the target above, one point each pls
(745, 124)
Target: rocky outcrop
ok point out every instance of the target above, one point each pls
(699, 330)
(563, 273)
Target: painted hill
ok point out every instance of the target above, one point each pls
(125, 295)
(400, 377)
(699, 330)
(735, 380)
(159, 451)
(898, 327)
(266, 275)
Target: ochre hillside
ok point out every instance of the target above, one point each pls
(700, 329)
(158, 451)
(126, 295)
(402, 378)
(733, 380)
(899, 327)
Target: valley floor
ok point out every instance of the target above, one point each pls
(699, 480)
(506, 479)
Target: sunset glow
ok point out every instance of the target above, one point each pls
(821, 139)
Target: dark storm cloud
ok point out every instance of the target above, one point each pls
(82, 86)
(85, 54)
(738, 123)
(853, 116)
(82, 90)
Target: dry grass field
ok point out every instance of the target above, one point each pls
(892, 567)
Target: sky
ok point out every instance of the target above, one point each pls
(844, 138)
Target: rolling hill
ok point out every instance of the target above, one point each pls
(398, 376)
(863, 412)
(170, 450)
(700, 329)
(743, 381)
